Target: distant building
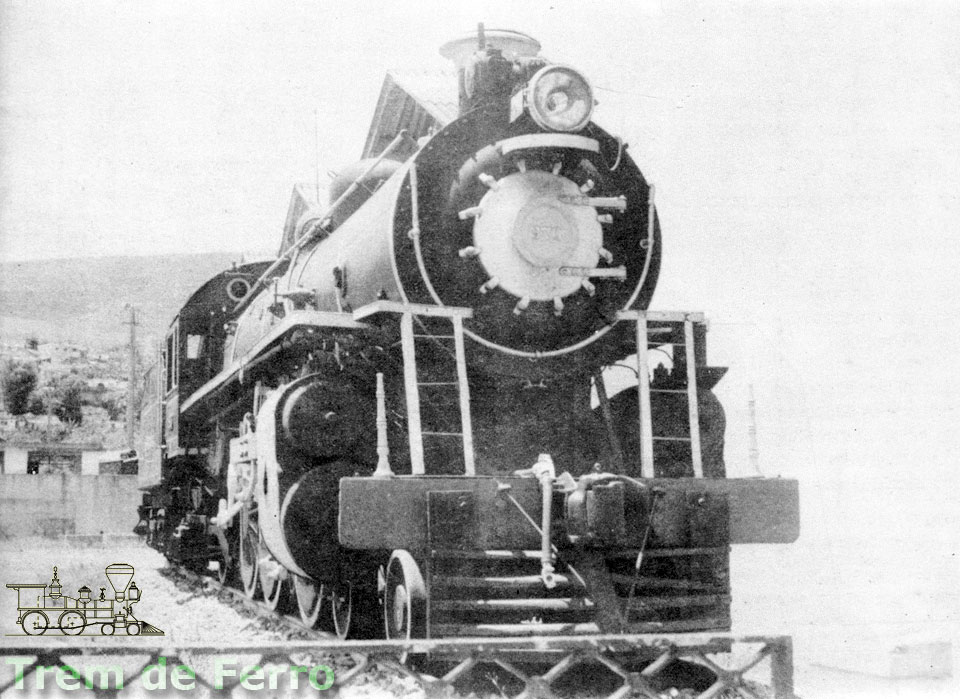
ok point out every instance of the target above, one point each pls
(81, 458)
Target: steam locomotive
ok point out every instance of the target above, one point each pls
(406, 422)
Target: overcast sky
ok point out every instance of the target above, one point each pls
(807, 163)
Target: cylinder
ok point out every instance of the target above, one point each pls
(325, 419)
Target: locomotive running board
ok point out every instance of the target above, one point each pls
(291, 322)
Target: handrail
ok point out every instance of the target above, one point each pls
(311, 230)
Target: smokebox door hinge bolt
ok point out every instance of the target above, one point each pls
(489, 285)
(522, 305)
(471, 212)
(618, 203)
(618, 273)
(489, 180)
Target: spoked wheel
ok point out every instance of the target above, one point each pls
(309, 599)
(249, 550)
(227, 572)
(35, 623)
(224, 572)
(72, 623)
(405, 599)
(341, 604)
(273, 582)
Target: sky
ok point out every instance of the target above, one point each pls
(807, 163)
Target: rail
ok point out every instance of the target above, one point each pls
(614, 666)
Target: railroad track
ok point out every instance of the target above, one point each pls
(291, 626)
(541, 666)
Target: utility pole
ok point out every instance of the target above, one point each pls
(132, 380)
(752, 430)
(316, 151)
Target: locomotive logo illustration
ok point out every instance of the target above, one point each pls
(42, 608)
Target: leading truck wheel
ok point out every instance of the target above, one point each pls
(249, 550)
(404, 599)
(341, 609)
(309, 599)
(273, 582)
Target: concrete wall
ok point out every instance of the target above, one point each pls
(90, 460)
(14, 460)
(58, 504)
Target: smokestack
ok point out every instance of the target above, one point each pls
(511, 44)
(486, 62)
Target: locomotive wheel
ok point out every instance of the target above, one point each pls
(72, 623)
(35, 623)
(341, 608)
(274, 585)
(249, 550)
(107, 629)
(227, 571)
(309, 599)
(405, 599)
(133, 628)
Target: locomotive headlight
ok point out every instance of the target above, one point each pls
(559, 98)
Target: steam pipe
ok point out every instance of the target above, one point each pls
(308, 233)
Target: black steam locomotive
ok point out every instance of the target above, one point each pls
(406, 420)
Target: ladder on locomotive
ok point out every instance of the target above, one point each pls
(433, 333)
(680, 330)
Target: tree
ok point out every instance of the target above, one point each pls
(18, 379)
(69, 399)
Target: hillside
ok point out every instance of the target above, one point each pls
(82, 300)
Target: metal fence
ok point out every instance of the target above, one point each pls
(596, 666)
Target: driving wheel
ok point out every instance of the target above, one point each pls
(309, 599)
